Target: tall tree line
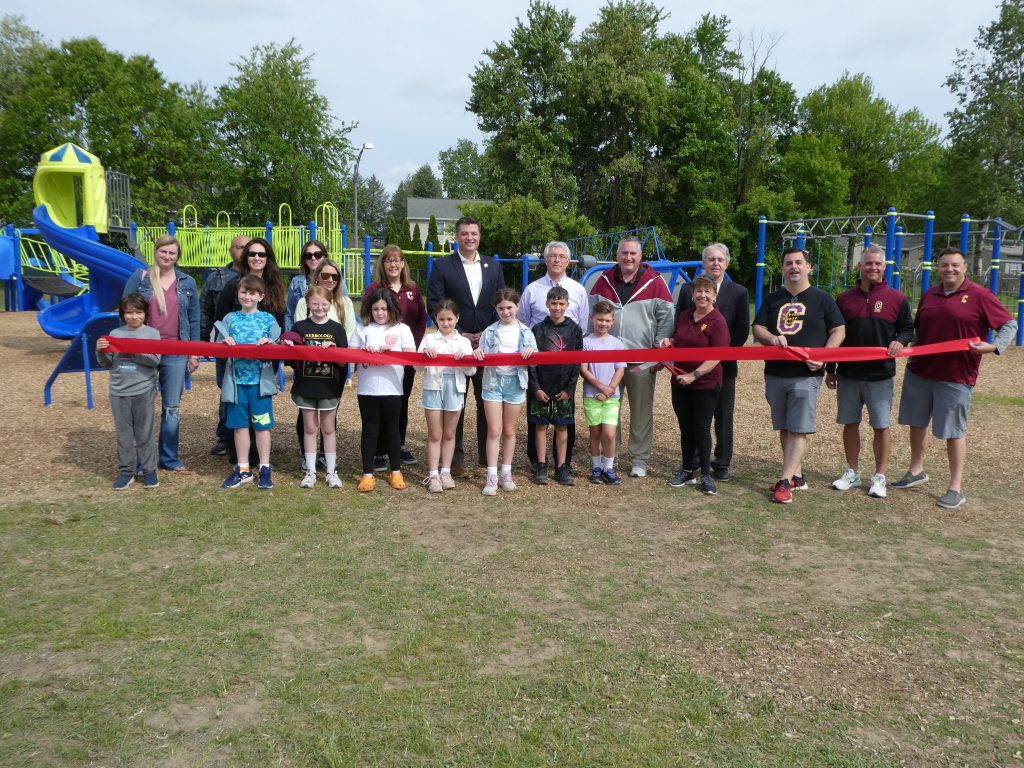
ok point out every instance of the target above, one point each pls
(627, 125)
(263, 138)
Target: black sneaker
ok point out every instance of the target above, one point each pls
(540, 474)
(707, 485)
(380, 463)
(321, 463)
(720, 473)
(220, 448)
(681, 478)
(563, 475)
(408, 458)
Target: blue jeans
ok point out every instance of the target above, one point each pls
(172, 384)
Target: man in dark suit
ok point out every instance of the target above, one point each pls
(470, 280)
(734, 304)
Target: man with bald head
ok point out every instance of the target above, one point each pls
(212, 286)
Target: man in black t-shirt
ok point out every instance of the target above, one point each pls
(796, 315)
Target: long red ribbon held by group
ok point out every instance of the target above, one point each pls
(671, 354)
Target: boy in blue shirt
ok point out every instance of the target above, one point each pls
(249, 384)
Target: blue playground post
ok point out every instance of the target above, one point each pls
(965, 233)
(762, 230)
(926, 259)
(270, 232)
(801, 237)
(898, 253)
(997, 242)
(890, 242)
(867, 235)
(366, 261)
(344, 237)
(1020, 310)
(526, 272)
(312, 230)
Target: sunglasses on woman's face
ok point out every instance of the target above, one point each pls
(314, 255)
(256, 255)
(332, 276)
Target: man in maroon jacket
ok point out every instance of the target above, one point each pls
(938, 388)
(876, 316)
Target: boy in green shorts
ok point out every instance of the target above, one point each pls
(601, 395)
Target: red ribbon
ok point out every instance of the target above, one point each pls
(670, 354)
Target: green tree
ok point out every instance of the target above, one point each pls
(462, 171)
(524, 225)
(278, 135)
(416, 243)
(432, 236)
(870, 138)
(420, 183)
(518, 96)
(393, 235)
(121, 109)
(374, 204)
(984, 170)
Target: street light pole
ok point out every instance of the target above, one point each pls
(355, 184)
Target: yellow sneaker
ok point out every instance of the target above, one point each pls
(366, 483)
(396, 481)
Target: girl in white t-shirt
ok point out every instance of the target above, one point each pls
(379, 389)
(504, 386)
(444, 393)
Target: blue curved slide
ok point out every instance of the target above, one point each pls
(109, 270)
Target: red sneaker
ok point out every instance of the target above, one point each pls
(797, 483)
(781, 493)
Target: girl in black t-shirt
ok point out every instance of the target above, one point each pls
(318, 384)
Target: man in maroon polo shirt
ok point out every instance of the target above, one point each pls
(877, 315)
(938, 388)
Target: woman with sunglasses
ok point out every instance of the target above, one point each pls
(257, 259)
(312, 253)
(392, 272)
(328, 275)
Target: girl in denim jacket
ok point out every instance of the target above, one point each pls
(504, 386)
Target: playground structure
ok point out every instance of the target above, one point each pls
(910, 240)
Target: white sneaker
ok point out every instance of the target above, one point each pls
(639, 469)
(507, 483)
(491, 486)
(308, 481)
(433, 484)
(447, 483)
(849, 479)
(332, 480)
(877, 488)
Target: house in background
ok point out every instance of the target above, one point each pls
(445, 212)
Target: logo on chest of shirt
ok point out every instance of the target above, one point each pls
(391, 339)
(879, 306)
(964, 299)
(791, 318)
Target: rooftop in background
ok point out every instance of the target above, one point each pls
(440, 208)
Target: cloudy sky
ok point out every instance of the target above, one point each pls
(400, 68)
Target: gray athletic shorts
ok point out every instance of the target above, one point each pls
(853, 394)
(793, 402)
(944, 403)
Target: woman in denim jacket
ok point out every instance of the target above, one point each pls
(312, 254)
(174, 312)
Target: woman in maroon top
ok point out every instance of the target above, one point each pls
(392, 272)
(695, 384)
